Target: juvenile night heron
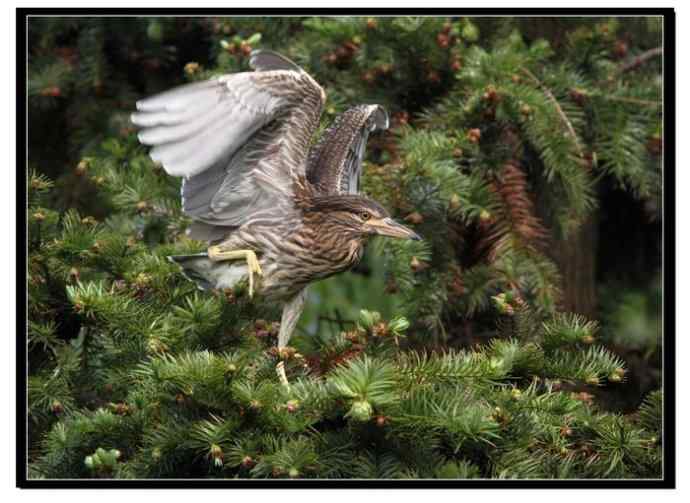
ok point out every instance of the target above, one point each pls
(274, 209)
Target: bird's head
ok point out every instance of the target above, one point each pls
(361, 216)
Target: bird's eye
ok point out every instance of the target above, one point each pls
(365, 215)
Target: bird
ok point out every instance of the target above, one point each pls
(277, 209)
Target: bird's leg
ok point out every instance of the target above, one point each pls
(291, 313)
(217, 254)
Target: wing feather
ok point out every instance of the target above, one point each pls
(335, 162)
(239, 141)
(265, 60)
(219, 118)
(174, 99)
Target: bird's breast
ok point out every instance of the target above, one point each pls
(289, 269)
(291, 257)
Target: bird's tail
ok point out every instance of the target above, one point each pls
(209, 274)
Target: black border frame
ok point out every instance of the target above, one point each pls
(669, 265)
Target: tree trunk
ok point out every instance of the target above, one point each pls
(576, 261)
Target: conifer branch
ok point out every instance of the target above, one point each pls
(559, 110)
(640, 59)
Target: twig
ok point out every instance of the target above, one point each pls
(640, 59)
(633, 101)
(559, 110)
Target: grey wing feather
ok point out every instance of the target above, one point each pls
(238, 140)
(264, 60)
(207, 232)
(198, 125)
(335, 162)
(198, 190)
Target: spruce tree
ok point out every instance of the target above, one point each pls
(454, 357)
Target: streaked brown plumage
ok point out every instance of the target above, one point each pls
(255, 189)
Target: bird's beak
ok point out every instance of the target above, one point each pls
(391, 228)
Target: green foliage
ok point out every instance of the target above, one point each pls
(367, 384)
(443, 358)
(633, 318)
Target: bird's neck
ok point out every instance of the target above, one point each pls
(335, 238)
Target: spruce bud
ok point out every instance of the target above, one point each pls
(361, 410)
(81, 167)
(367, 319)
(398, 325)
(191, 68)
(592, 380)
(470, 32)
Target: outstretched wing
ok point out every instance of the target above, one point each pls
(335, 162)
(240, 141)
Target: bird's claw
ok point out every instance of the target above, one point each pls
(253, 267)
(280, 370)
(216, 254)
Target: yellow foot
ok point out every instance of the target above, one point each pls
(280, 370)
(217, 254)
